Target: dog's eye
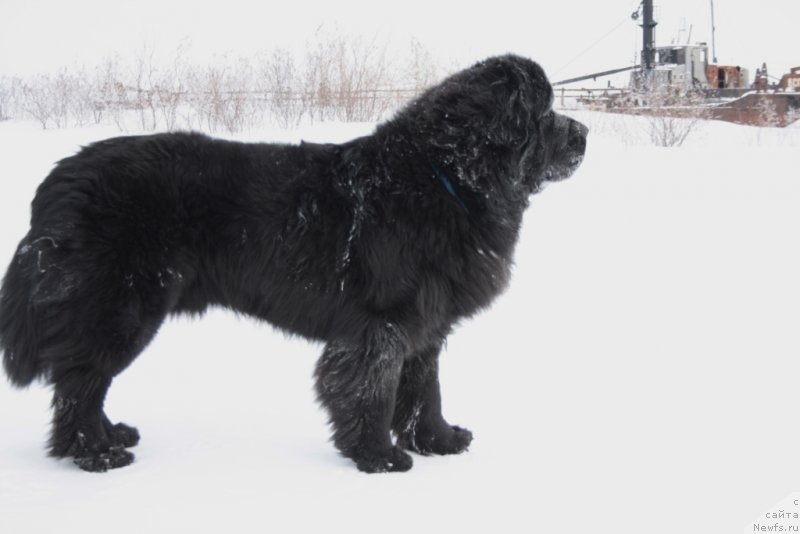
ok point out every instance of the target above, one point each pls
(547, 106)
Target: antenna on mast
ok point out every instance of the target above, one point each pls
(713, 34)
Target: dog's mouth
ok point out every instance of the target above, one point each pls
(560, 171)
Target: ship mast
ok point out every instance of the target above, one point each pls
(648, 35)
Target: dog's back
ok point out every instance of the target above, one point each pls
(132, 228)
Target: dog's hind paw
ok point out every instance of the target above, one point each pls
(392, 460)
(103, 461)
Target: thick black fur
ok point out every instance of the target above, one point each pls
(376, 247)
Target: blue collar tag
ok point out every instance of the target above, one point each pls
(448, 185)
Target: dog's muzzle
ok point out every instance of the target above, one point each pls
(569, 150)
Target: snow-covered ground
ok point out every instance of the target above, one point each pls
(642, 374)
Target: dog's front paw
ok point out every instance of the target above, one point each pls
(443, 440)
(392, 459)
(122, 435)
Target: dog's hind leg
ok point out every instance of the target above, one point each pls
(82, 372)
(81, 378)
(357, 384)
(418, 420)
(89, 347)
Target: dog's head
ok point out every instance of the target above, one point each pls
(495, 122)
(557, 151)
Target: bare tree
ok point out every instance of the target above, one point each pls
(224, 100)
(364, 82)
(10, 89)
(170, 90)
(110, 94)
(279, 81)
(338, 77)
(38, 100)
(319, 82)
(347, 79)
(422, 69)
(83, 99)
(671, 118)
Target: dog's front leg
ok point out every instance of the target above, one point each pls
(418, 419)
(357, 383)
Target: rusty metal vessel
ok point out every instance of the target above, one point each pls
(681, 81)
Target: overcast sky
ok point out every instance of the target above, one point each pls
(567, 38)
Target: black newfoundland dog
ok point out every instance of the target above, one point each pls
(375, 247)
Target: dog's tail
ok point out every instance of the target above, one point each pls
(18, 325)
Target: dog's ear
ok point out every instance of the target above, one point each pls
(522, 94)
(511, 112)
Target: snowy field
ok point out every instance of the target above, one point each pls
(640, 375)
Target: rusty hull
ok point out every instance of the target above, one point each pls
(753, 109)
(760, 109)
